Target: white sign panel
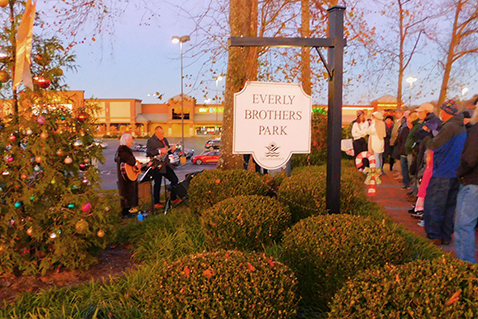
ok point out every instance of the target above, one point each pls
(272, 122)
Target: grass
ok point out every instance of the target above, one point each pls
(155, 241)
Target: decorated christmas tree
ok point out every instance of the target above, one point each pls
(51, 214)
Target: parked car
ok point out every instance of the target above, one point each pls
(213, 144)
(206, 157)
(138, 147)
(100, 143)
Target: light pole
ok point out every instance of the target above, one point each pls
(219, 78)
(410, 80)
(181, 40)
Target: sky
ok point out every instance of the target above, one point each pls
(137, 59)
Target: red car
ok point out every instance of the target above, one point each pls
(208, 157)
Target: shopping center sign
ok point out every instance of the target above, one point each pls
(272, 122)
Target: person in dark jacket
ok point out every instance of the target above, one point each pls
(440, 200)
(401, 139)
(467, 201)
(128, 189)
(158, 146)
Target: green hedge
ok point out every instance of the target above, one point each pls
(305, 191)
(245, 222)
(424, 289)
(324, 251)
(212, 186)
(223, 284)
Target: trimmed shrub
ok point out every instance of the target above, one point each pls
(223, 284)
(324, 251)
(245, 222)
(439, 288)
(305, 192)
(273, 182)
(212, 186)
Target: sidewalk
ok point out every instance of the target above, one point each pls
(394, 200)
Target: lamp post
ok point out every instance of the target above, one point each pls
(219, 78)
(410, 80)
(181, 40)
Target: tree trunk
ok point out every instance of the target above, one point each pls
(242, 66)
(305, 31)
(450, 55)
(400, 58)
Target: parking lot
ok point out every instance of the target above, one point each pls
(108, 169)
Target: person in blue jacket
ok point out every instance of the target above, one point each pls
(440, 201)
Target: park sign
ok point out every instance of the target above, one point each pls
(272, 122)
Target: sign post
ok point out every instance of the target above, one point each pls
(335, 44)
(272, 121)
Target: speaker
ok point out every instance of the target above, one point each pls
(181, 189)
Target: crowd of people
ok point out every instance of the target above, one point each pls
(438, 157)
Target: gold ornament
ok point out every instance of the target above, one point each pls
(59, 153)
(3, 3)
(100, 233)
(68, 160)
(44, 135)
(4, 76)
(81, 226)
(29, 131)
(86, 161)
(30, 231)
(38, 159)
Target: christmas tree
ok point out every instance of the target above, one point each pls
(50, 212)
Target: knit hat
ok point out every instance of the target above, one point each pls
(450, 107)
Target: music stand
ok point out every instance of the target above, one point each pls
(148, 175)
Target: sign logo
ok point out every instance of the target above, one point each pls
(272, 122)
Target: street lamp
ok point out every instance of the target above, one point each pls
(219, 78)
(410, 80)
(181, 40)
(464, 91)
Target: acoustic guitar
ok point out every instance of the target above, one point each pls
(130, 172)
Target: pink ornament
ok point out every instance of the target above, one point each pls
(10, 159)
(86, 207)
(41, 119)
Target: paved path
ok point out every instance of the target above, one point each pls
(394, 200)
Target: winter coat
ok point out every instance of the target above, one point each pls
(448, 146)
(468, 169)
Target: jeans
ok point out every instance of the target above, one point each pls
(440, 204)
(378, 160)
(465, 222)
(404, 167)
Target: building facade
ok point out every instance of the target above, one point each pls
(177, 117)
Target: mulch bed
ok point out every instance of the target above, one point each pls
(112, 262)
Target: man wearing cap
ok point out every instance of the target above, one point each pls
(440, 200)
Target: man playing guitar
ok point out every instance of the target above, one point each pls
(128, 187)
(155, 146)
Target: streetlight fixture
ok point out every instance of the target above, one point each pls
(181, 40)
(410, 80)
(218, 78)
(464, 91)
